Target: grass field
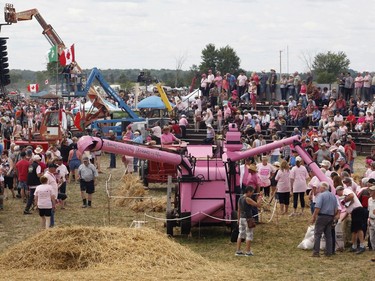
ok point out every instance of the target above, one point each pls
(275, 244)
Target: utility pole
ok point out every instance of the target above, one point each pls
(287, 59)
(280, 61)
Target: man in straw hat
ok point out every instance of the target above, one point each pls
(251, 178)
(167, 137)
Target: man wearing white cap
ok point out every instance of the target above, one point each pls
(210, 135)
(326, 165)
(183, 123)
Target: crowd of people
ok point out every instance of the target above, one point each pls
(322, 118)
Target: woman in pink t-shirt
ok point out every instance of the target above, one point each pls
(45, 200)
(265, 171)
(298, 177)
(283, 186)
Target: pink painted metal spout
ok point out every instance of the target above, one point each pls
(235, 156)
(314, 167)
(94, 143)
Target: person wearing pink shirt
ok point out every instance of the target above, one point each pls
(358, 84)
(45, 199)
(227, 112)
(218, 81)
(265, 172)
(251, 178)
(283, 186)
(298, 177)
(168, 138)
(183, 123)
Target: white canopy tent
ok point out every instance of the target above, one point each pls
(88, 106)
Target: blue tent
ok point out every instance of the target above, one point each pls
(152, 102)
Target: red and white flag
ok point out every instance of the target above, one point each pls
(33, 88)
(46, 81)
(67, 56)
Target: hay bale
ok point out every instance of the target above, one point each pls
(150, 205)
(87, 247)
(132, 186)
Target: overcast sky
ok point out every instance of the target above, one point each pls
(155, 33)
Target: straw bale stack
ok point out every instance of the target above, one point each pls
(109, 253)
(86, 247)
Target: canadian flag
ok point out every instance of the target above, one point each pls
(67, 56)
(33, 88)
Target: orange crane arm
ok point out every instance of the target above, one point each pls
(11, 16)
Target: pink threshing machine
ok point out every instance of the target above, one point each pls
(208, 187)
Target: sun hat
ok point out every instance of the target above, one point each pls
(252, 167)
(38, 150)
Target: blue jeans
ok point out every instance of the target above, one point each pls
(245, 97)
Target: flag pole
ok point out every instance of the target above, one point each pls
(57, 75)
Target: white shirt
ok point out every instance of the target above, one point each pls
(52, 182)
(156, 131)
(210, 78)
(62, 171)
(241, 80)
(354, 204)
(371, 208)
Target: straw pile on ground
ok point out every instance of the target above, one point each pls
(131, 186)
(109, 253)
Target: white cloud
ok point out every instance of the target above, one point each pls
(152, 33)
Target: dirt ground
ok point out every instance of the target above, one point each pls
(275, 241)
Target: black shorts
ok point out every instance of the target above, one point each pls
(359, 219)
(8, 182)
(87, 186)
(45, 212)
(284, 197)
(63, 187)
(61, 196)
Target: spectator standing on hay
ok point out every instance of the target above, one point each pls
(245, 211)
(325, 212)
(87, 174)
(45, 200)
